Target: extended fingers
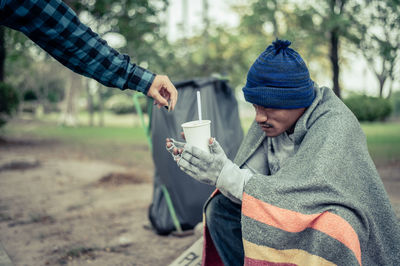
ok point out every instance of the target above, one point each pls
(173, 93)
(190, 159)
(159, 100)
(188, 164)
(162, 90)
(173, 149)
(179, 144)
(198, 153)
(215, 147)
(188, 169)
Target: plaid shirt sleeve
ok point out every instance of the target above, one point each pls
(56, 28)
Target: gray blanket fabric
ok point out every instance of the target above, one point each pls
(326, 206)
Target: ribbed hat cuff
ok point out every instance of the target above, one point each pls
(280, 98)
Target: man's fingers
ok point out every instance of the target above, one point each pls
(183, 135)
(198, 153)
(162, 90)
(188, 171)
(161, 101)
(215, 147)
(173, 93)
(187, 166)
(191, 159)
(169, 142)
(178, 144)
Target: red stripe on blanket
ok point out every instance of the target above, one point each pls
(254, 262)
(210, 254)
(291, 221)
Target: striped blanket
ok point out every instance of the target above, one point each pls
(326, 206)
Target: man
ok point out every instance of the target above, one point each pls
(302, 189)
(55, 27)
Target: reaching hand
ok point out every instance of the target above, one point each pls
(203, 166)
(162, 91)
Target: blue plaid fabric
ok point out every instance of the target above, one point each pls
(55, 27)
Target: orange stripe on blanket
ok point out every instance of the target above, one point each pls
(256, 255)
(291, 221)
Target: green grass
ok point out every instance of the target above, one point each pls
(127, 145)
(383, 141)
(48, 128)
(91, 134)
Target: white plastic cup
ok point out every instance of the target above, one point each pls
(198, 133)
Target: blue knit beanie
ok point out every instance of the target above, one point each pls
(279, 79)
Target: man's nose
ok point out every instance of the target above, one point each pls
(261, 117)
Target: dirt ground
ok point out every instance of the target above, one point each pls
(59, 206)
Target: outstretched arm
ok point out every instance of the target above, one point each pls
(56, 28)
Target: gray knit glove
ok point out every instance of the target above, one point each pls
(178, 145)
(212, 168)
(203, 166)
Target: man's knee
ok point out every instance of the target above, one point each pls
(211, 209)
(218, 208)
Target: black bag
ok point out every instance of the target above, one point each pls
(177, 198)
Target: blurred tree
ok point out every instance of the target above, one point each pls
(68, 116)
(378, 39)
(136, 21)
(328, 23)
(139, 21)
(89, 100)
(15, 51)
(395, 100)
(8, 102)
(367, 108)
(2, 52)
(260, 23)
(206, 37)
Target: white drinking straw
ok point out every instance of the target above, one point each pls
(199, 104)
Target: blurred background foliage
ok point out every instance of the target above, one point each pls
(326, 33)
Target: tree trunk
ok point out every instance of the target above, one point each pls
(275, 21)
(206, 39)
(69, 116)
(89, 99)
(382, 80)
(185, 20)
(390, 90)
(2, 53)
(334, 56)
(101, 104)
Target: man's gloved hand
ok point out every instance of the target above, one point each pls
(203, 166)
(175, 148)
(212, 168)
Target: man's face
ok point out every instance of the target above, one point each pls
(276, 121)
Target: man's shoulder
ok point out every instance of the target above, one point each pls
(329, 112)
(331, 105)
